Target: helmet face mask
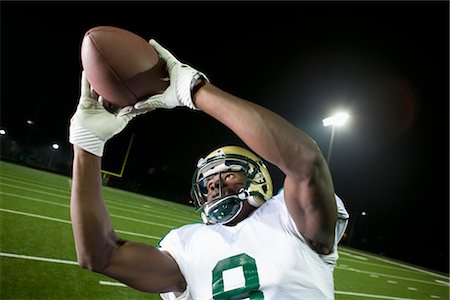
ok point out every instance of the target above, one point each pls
(223, 210)
(245, 177)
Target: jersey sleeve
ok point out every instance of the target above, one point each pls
(341, 225)
(176, 296)
(172, 243)
(342, 219)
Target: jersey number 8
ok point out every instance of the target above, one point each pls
(243, 266)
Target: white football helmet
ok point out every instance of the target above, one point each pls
(224, 208)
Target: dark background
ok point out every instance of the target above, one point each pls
(386, 63)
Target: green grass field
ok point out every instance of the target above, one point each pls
(38, 260)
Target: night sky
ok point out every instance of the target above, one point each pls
(386, 63)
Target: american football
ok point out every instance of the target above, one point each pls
(121, 66)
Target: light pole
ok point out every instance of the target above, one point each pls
(55, 147)
(335, 120)
(30, 124)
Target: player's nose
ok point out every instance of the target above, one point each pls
(213, 183)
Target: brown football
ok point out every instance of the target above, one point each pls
(121, 66)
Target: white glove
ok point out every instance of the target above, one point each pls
(182, 81)
(92, 125)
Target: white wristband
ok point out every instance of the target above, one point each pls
(86, 140)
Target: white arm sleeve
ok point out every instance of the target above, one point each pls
(342, 220)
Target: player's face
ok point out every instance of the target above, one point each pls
(224, 184)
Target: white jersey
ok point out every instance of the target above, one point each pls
(262, 257)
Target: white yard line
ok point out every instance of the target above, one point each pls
(45, 259)
(390, 276)
(67, 206)
(112, 283)
(179, 215)
(34, 215)
(58, 261)
(159, 212)
(374, 264)
(353, 255)
(68, 222)
(396, 263)
(21, 188)
(25, 180)
(371, 296)
(153, 237)
(34, 199)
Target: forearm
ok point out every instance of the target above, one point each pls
(265, 132)
(91, 224)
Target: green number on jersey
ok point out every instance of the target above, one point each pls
(247, 266)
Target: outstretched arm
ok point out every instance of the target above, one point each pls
(308, 186)
(98, 248)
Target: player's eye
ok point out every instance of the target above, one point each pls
(228, 176)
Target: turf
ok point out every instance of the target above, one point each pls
(38, 260)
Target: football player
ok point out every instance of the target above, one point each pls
(251, 244)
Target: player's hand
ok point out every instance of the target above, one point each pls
(92, 125)
(183, 78)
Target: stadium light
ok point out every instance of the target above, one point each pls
(335, 120)
(2, 131)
